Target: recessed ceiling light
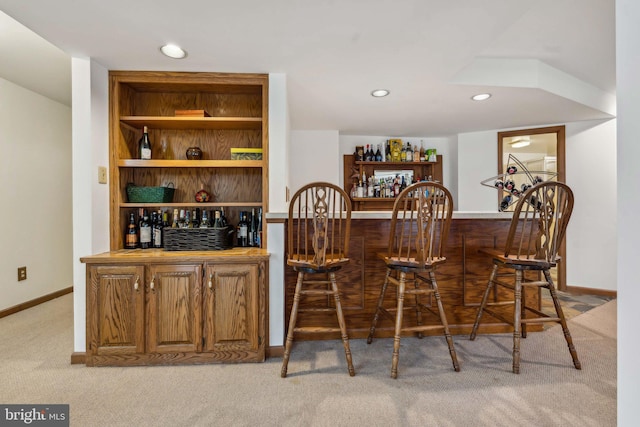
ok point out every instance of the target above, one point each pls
(380, 92)
(481, 97)
(173, 51)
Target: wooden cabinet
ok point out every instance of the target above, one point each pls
(231, 307)
(153, 307)
(174, 308)
(115, 310)
(237, 109)
(353, 171)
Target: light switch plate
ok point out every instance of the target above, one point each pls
(102, 175)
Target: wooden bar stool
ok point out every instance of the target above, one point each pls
(419, 228)
(537, 230)
(318, 243)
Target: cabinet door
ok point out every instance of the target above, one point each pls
(115, 310)
(231, 308)
(174, 310)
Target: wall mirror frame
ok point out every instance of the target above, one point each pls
(544, 135)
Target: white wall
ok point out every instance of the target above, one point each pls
(313, 157)
(279, 148)
(90, 200)
(591, 173)
(477, 161)
(35, 177)
(628, 173)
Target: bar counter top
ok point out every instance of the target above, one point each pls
(275, 216)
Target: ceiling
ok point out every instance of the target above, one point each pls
(544, 62)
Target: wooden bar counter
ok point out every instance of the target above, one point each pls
(461, 280)
(149, 307)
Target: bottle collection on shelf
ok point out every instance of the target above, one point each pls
(146, 231)
(387, 187)
(395, 151)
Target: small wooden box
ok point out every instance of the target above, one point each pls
(192, 113)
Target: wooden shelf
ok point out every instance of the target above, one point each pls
(201, 123)
(189, 204)
(136, 163)
(363, 163)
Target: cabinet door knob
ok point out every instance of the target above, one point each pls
(136, 285)
(153, 283)
(210, 281)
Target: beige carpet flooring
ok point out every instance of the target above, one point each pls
(36, 344)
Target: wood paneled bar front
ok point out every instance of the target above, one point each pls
(461, 279)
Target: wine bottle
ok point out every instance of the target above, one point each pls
(243, 230)
(257, 242)
(253, 227)
(204, 221)
(145, 231)
(156, 220)
(378, 154)
(145, 145)
(217, 219)
(131, 235)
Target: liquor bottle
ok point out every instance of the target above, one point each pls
(387, 151)
(131, 235)
(403, 154)
(257, 240)
(360, 190)
(145, 231)
(409, 152)
(145, 145)
(354, 191)
(217, 219)
(378, 154)
(243, 230)
(422, 159)
(195, 218)
(175, 223)
(157, 230)
(252, 227)
(204, 222)
(165, 220)
(370, 187)
(223, 218)
(367, 154)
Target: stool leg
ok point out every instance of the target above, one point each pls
(485, 297)
(292, 325)
(523, 311)
(374, 322)
(563, 321)
(342, 323)
(516, 322)
(418, 303)
(396, 338)
(443, 320)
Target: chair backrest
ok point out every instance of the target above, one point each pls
(539, 222)
(319, 223)
(420, 222)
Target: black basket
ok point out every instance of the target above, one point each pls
(198, 239)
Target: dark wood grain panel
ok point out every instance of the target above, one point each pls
(461, 280)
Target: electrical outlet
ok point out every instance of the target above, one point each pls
(102, 175)
(22, 273)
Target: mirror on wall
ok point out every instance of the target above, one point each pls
(543, 150)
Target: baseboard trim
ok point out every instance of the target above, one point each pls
(78, 358)
(34, 302)
(578, 290)
(275, 351)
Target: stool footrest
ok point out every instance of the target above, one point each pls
(316, 292)
(315, 329)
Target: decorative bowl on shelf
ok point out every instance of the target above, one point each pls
(202, 196)
(194, 153)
